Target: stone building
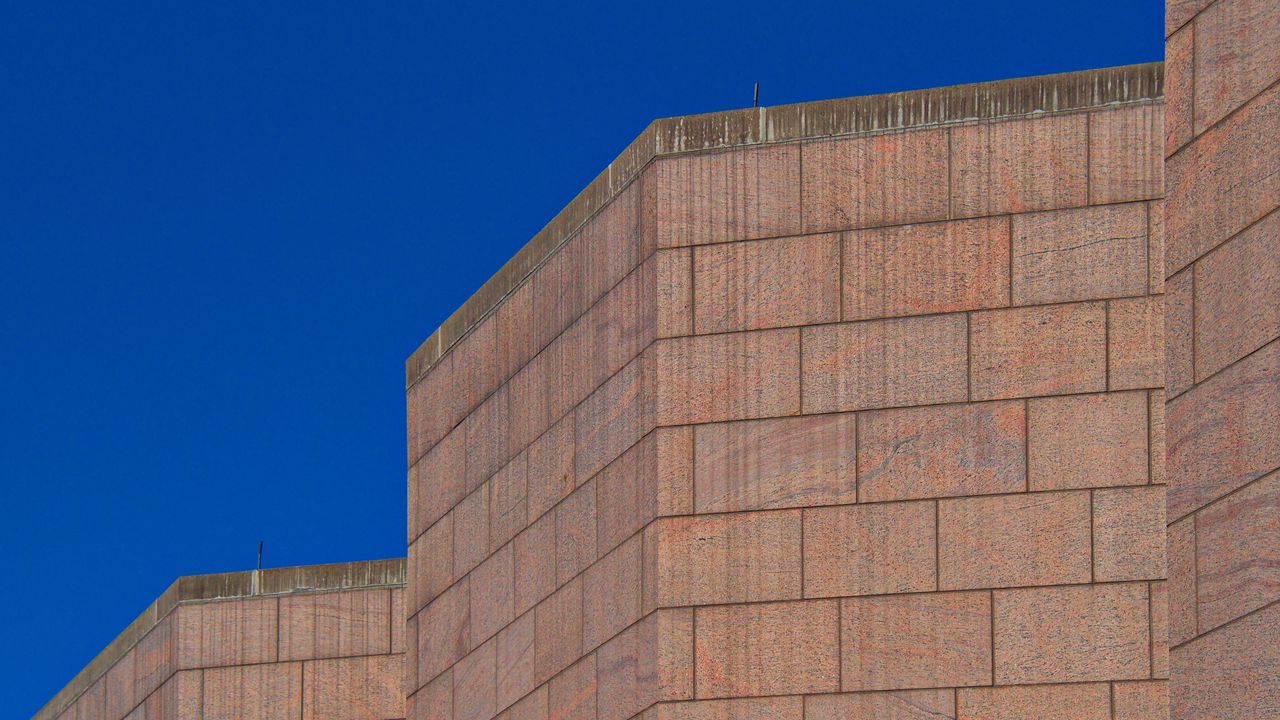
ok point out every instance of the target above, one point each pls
(957, 403)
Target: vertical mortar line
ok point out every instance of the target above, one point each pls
(968, 357)
(693, 648)
(991, 618)
(1151, 461)
(1111, 697)
(1093, 561)
(302, 689)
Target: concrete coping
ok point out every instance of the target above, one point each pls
(865, 115)
(227, 586)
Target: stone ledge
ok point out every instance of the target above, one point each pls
(865, 115)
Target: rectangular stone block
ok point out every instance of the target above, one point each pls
(514, 331)
(487, 431)
(551, 475)
(1179, 353)
(1237, 56)
(768, 464)
(626, 497)
(432, 408)
(1050, 350)
(628, 669)
(1019, 165)
(1087, 441)
(532, 707)
(1080, 254)
(674, 448)
(1142, 700)
(470, 531)
(118, 683)
(1012, 540)
(355, 688)
(1237, 300)
(611, 242)
(444, 631)
(1126, 161)
(614, 331)
(884, 363)
(1179, 12)
(492, 595)
(926, 268)
(902, 705)
(611, 593)
(728, 377)
(335, 624)
(557, 631)
(1128, 534)
(433, 702)
(1160, 629)
(675, 292)
(430, 564)
(558, 297)
(474, 685)
(513, 660)
(776, 708)
(1155, 246)
(475, 364)
(971, 449)
(741, 557)
(508, 501)
(1179, 87)
(1084, 701)
(869, 549)
(730, 195)
(1181, 553)
(767, 649)
(916, 641)
(436, 482)
(1238, 553)
(766, 283)
(534, 561)
(886, 179)
(1072, 634)
(154, 658)
(253, 692)
(1155, 419)
(1221, 434)
(240, 632)
(1201, 211)
(1229, 674)
(1135, 343)
(576, 533)
(614, 417)
(573, 692)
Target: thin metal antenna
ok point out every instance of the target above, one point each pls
(755, 99)
(259, 556)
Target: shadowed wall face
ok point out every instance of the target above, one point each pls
(312, 655)
(837, 428)
(1223, 321)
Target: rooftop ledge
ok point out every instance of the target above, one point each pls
(866, 115)
(227, 586)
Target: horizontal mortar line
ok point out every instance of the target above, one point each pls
(1226, 624)
(653, 155)
(1220, 121)
(1216, 373)
(944, 313)
(1218, 245)
(539, 351)
(1266, 474)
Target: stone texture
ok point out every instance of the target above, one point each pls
(211, 634)
(1221, 434)
(1031, 351)
(1087, 441)
(576, 533)
(728, 195)
(1179, 313)
(675, 292)
(903, 705)
(767, 464)
(973, 449)
(1229, 674)
(335, 624)
(626, 496)
(444, 631)
(508, 502)
(767, 649)
(1072, 634)
(766, 283)
(882, 180)
(611, 593)
(356, 688)
(1237, 56)
(1135, 343)
(884, 363)
(470, 531)
(492, 595)
(1080, 254)
(551, 474)
(916, 641)
(926, 268)
(513, 661)
(869, 549)
(1142, 700)
(1237, 301)
(1181, 552)
(1011, 540)
(1179, 88)
(741, 557)
(1084, 701)
(775, 708)
(1125, 158)
(253, 692)
(1128, 534)
(1238, 552)
(1019, 165)
(557, 631)
(573, 692)
(431, 564)
(614, 417)
(474, 685)
(534, 560)
(728, 377)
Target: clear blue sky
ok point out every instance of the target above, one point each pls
(225, 227)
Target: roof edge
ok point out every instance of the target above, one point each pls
(862, 115)
(226, 586)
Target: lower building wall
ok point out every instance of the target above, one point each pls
(1223, 334)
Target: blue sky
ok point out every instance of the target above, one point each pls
(226, 225)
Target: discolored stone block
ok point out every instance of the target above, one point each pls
(1237, 56)
(883, 363)
(1238, 553)
(869, 549)
(1126, 161)
(926, 268)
